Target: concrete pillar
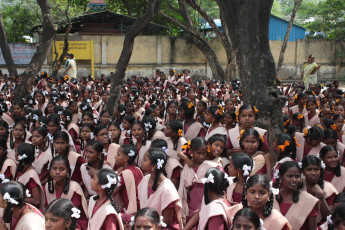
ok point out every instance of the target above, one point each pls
(104, 50)
(159, 50)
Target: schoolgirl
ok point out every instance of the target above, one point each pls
(174, 138)
(114, 132)
(102, 135)
(229, 120)
(72, 128)
(312, 116)
(152, 133)
(298, 207)
(85, 136)
(104, 118)
(246, 218)
(147, 218)
(331, 138)
(17, 137)
(213, 115)
(337, 220)
(298, 121)
(60, 185)
(191, 128)
(215, 150)
(8, 166)
(41, 103)
(103, 212)
(300, 101)
(125, 127)
(138, 139)
(339, 123)
(170, 112)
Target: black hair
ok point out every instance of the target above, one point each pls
(313, 160)
(284, 167)
(85, 107)
(43, 132)
(28, 150)
(168, 105)
(129, 118)
(219, 185)
(323, 153)
(315, 132)
(148, 212)
(16, 190)
(54, 118)
(117, 125)
(102, 176)
(62, 208)
(287, 121)
(11, 133)
(251, 132)
(67, 179)
(98, 128)
(289, 150)
(250, 215)
(88, 114)
(337, 217)
(3, 145)
(312, 99)
(340, 198)
(68, 114)
(176, 126)
(300, 118)
(247, 107)
(265, 182)
(150, 126)
(156, 154)
(5, 125)
(64, 136)
(91, 127)
(141, 124)
(299, 97)
(216, 111)
(127, 149)
(189, 108)
(98, 146)
(241, 159)
(328, 123)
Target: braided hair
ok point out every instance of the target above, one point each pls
(102, 176)
(62, 208)
(284, 167)
(11, 133)
(219, 185)
(289, 150)
(64, 136)
(265, 182)
(98, 146)
(16, 190)
(239, 160)
(313, 160)
(127, 149)
(67, 179)
(323, 152)
(156, 154)
(141, 124)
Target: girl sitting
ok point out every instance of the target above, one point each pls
(147, 218)
(174, 138)
(312, 116)
(213, 116)
(191, 128)
(8, 167)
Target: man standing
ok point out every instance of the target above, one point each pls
(71, 66)
(308, 74)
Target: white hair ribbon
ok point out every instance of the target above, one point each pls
(3, 178)
(276, 174)
(104, 152)
(84, 107)
(50, 137)
(148, 126)
(42, 123)
(132, 221)
(162, 223)
(128, 131)
(92, 136)
(275, 191)
(131, 153)
(122, 113)
(35, 117)
(300, 164)
(206, 125)
(262, 224)
(329, 220)
(9, 199)
(111, 181)
(45, 93)
(27, 192)
(27, 116)
(75, 213)
(209, 179)
(22, 157)
(121, 127)
(68, 118)
(37, 152)
(323, 165)
(109, 135)
(165, 150)
(88, 101)
(31, 101)
(95, 120)
(160, 163)
(246, 170)
(229, 179)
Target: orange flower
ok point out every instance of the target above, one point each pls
(255, 109)
(318, 125)
(295, 97)
(180, 133)
(299, 117)
(42, 73)
(287, 122)
(174, 71)
(283, 147)
(66, 78)
(337, 100)
(241, 133)
(313, 93)
(186, 146)
(298, 145)
(208, 149)
(262, 139)
(306, 131)
(190, 105)
(334, 127)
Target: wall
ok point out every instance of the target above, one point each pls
(162, 52)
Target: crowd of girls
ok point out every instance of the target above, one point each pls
(173, 154)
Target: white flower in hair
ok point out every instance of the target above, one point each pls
(109, 135)
(121, 127)
(22, 157)
(300, 164)
(276, 174)
(162, 223)
(35, 117)
(165, 150)
(50, 137)
(3, 178)
(59, 112)
(246, 170)
(28, 193)
(122, 113)
(68, 118)
(229, 179)
(104, 152)
(75, 213)
(160, 163)
(329, 219)
(42, 123)
(88, 101)
(128, 131)
(111, 181)
(261, 224)
(131, 153)
(222, 104)
(275, 191)
(84, 107)
(209, 179)
(7, 197)
(92, 136)
(148, 126)
(132, 221)
(31, 101)
(37, 152)
(45, 93)
(206, 125)
(323, 165)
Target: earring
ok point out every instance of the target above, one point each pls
(208, 149)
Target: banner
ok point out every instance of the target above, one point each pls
(21, 53)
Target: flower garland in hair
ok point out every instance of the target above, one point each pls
(283, 147)
(180, 133)
(186, 146)
(219, 110)
(299, 117)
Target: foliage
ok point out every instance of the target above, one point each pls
(18, 21)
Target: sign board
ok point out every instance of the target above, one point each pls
(21, 53)
(82, 50)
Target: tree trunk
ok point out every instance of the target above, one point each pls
(5, 49)
(57, 63)
(287, 35)
(48, 33)
(247, 22)
(127, 50)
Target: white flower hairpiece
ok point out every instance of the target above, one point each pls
(59, 112)
(111, 181)
(50, 137)
(95, 120)
(276, 174)
(275, 191)
(132, 221)
(323, 165)
(27, 116)
(109, 133)
(22, 157)
(165, 150)
(68, 118)
(262, 224)
(84, 107)
(229, 179)
(121, 127)
(45, 93)
(54, 99)
(131, 153)
(92, 136)
(160, 163)
(37, 152)
(246, 170)
(148, 126)
(300, 164)
(35, 117)
(3, 178)
(104, 152)
(122, 113)
(128, 131)
(206, 125)
(9, 199)
(77, 95)
(209, 179)
(75, 213)
(88, 101)
(329, 220)
(31, 101)
(162, 223)
(27, 192)
(42, 123)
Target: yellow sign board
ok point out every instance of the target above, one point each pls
(82, 50)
